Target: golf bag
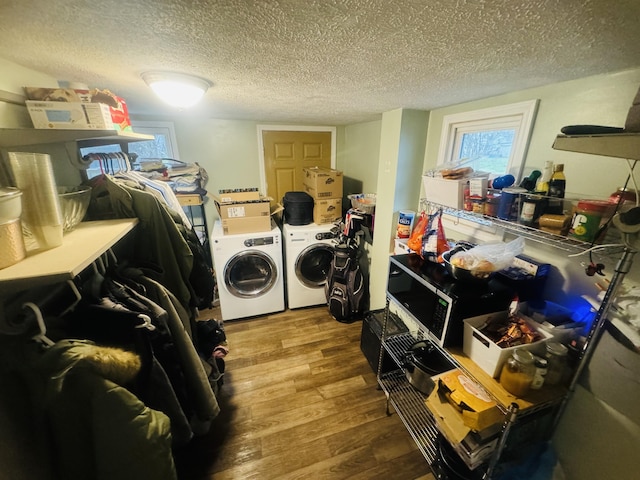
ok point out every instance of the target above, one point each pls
(345, 282)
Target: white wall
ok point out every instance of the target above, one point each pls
(358, 156)
(399, 169)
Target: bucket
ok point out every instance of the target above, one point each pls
(298, 208)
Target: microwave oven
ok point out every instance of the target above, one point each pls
(427, 292)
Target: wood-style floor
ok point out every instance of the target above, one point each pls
(300, 401)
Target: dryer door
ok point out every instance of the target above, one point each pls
(250, 274)
(313, 263)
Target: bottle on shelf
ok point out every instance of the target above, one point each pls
(557, 185)
(542, 184)
(529, 183)
(558, 181)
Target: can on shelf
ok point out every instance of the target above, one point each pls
(509, 203)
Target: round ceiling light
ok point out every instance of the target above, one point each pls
(177, 89)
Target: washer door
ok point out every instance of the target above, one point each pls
(312, 265)
(250, 274)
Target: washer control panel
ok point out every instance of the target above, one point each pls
(258, 242)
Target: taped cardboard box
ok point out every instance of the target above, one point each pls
(246, 217)
(450, 405)
(478, 410)
(322, 182)
(238, 195)
(70, 115)
(327, 210)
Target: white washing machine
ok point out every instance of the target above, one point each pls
(308, 254)
(249, 271)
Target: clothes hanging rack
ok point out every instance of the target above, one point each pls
(56, 301)
(108, 160)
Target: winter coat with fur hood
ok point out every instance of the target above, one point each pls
(97, 429)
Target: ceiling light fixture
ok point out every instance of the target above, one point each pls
(177, 89)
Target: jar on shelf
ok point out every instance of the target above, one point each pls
(518, 372)
(491, 204)
(624, 197)
(557, 363)
(466, 195)
(588, 217)
(477, 204)
(542, 366)
(531, 209)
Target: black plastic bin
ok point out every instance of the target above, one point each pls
(298, 208)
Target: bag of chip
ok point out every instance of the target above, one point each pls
(415, 239)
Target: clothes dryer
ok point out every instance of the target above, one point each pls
(249, 271)
(308, 254)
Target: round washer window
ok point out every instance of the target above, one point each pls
(250, 274)
(313, 264)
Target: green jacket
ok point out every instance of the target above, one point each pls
(97, 429)
(157, 238)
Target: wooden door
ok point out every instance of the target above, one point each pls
(286, 153)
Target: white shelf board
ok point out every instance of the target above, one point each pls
(13, 137)
(79, 249)
(618, 145)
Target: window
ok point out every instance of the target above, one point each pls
(491, 140)
(164, 144)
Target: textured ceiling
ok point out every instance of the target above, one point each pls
(322, 61)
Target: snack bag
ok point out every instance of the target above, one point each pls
(415, 239)
(434, 242)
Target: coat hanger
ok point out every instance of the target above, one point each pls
(42, 335)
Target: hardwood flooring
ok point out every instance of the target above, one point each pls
(300, 401)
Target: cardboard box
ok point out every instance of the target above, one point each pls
(322, 182)
(118, 109)
(400, 246)
(449, 193)
(70, 115)
(246, 217)
(473, 446)
(327, 210)
(485, 353)
(238, 195)
(478, 410)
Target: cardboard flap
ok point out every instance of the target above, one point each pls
(238, 195)
(477, 409)
(447, 417)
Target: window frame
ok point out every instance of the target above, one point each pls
(519, 116)
(156, 127)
